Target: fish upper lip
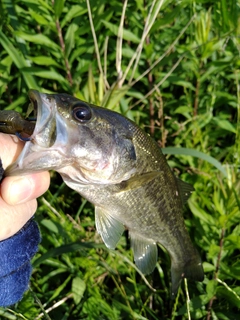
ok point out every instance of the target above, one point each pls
(37, 101)
(34, 98)
(45, 110)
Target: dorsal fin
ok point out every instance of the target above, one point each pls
(108, 227)
(145, 253)
(185, 190)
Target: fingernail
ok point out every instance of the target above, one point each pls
(20, 190)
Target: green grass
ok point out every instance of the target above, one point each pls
(173, 68)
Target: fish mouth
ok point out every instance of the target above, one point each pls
(44, 149)
(44, 133)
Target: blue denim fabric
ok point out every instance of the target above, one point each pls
(15, 266)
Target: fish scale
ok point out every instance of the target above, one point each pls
(119, 168)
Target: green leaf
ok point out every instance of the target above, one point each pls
(18, 60)
(50, 225)
(200, 213)
(229, 296)
(73, 12)
(38, 39)
(78, 289)
(232, 242)
(45, 61)
(58, 290)
(127, 35)
(16, 103)
(113, 97)
(197, 154)
(185, 84)
(70, 38)
(8, 315)
(91, 86)
(211, 288)
(208, 267)
(185, 110)
(224, 124)
(40, 19)
(46, 74)
(58, 7)
(71, 247)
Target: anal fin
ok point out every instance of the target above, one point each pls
(108, 227)
(145, 253)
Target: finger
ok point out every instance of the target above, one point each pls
(17, 190)
(14, 218)
(11, 147)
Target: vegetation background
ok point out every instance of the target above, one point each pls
(172, 67)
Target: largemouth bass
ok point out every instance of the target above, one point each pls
(115, 165)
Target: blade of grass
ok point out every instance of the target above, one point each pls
(54, 306)
(165, 53)
(119, 41)
(197, 154)
(139, 48)
(117, 253)
(160, 82)
(147, 28)
(96, 43)
(188, 299)
(71, 247)
(18, 60)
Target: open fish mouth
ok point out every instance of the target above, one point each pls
(44, 149)
(45, 108)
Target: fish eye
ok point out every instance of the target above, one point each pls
(82, 112)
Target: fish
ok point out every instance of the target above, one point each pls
(119, 168)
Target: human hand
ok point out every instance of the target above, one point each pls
(17, 194)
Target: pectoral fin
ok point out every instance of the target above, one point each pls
(138, 180)
(145, 253)
(109, 228)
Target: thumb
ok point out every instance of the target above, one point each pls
(21, 189)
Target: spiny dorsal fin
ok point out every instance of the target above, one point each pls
(109, 228)
(145, 253)
(185, 190)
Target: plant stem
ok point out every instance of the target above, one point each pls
(160, 82)
(62, 44)
(146, 30)
(170, 48)
(188, 299)
(238, 119)
(151, 104)
(195, 108)
(196, 100)
(216, 271)
(119, 44)
(96, 44)
(56, 305)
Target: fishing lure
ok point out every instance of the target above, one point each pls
(12, 122)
